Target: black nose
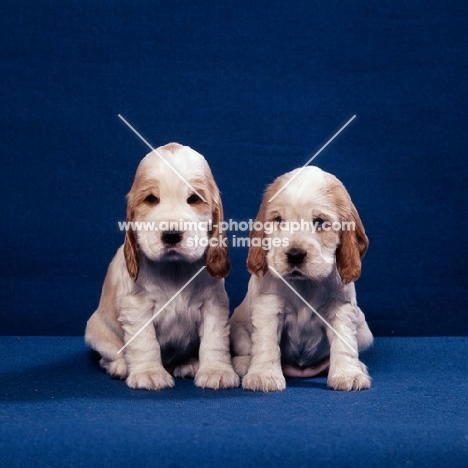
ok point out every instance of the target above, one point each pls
(296, 256)
(171, 237)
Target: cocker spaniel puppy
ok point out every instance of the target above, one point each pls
(176, 238)
(305, 253)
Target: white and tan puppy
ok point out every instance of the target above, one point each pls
(274, 333)
(190, 337)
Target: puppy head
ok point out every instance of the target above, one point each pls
(171, 221)
(310, 228)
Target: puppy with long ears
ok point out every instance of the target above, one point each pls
(162, 266)
(300, 316)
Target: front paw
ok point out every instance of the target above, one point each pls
(188, 369)
(348, 381)
(217, 378)
(155, 379)
(264, 381)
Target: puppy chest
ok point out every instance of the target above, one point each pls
(303, 340)
(180, 317)
(177, 329)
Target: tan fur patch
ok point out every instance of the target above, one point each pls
(353, 243)
(217, 256)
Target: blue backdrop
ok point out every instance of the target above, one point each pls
(256, 87)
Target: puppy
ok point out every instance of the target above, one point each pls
(190, 337)
(274, 332)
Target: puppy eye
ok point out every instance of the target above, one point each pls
(278, 219)
(152, 200)
(318, 222)
(193, 199)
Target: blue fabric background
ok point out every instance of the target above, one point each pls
(257, 87)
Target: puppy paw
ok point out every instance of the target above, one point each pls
(189, 369)
(349, 381)
(264, 382)
(241, 365)
(217, 378)
(156, 379)
(116, 369)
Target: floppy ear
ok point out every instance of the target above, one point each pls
(256, 259)
(130, 246)
(217, 256)
(353, 247)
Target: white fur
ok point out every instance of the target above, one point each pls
(196, 318)
(273, 333)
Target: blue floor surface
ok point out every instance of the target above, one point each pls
(58, 409)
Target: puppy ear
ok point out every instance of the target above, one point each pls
(256, 259)
(353, 247)
(217, 255)
(130, 246)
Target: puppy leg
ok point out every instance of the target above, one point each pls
(143, 353)
(346, 372)
(241, 341)
(364, 335)
(105, 338)
(241, 365)
(215, 369)
(265, 372)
